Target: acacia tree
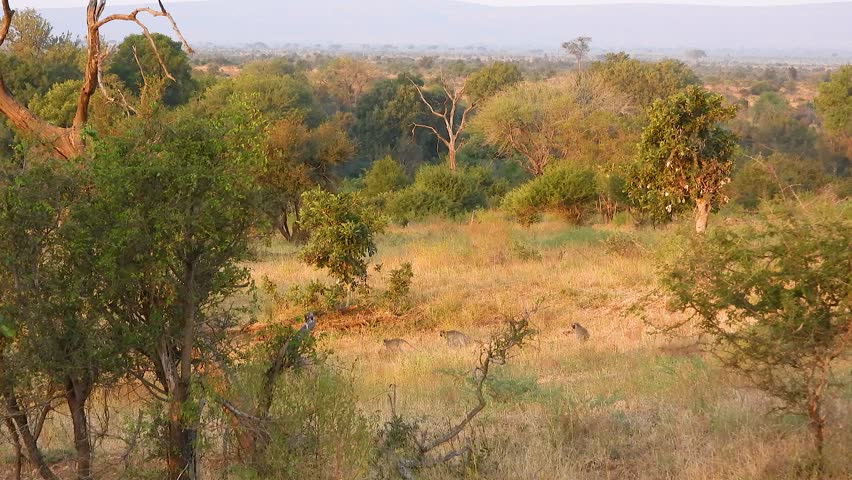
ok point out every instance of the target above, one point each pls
(834, 104)
(579, 49)
(474, 89)
(774, 298)
(684, 156)
(68, 142)
(559, 119)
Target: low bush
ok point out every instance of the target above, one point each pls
(566, 190)
(440, 192)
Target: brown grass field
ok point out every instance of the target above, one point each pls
(628, 404)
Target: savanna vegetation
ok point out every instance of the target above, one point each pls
(335, 267)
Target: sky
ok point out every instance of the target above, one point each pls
(71, 3)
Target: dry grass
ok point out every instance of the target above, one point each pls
(626, 405)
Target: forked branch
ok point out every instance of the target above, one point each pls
(67, 142)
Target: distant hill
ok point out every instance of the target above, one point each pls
(822, 27)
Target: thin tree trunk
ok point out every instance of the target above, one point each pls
(451, 158)
(76, 395)
(702, 213)
(817, 420)
(22, 425)
(16, 443)
(182, 464)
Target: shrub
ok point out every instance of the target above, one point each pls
(762, 87)
(776, 175)
(440, 192)
(314, 427)
(398, 294)
(383, 177)
(774, 296)
(566, 190)
(523, 250)
(342, 234)
(315, 296)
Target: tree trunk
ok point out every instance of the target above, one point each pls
(451, 158)
(181, 461)
(817, 420)
(76, 395)
(22, 425)
(16, 443)
(702, 213)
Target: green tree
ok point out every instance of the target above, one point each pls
(344, 80)
(135, 62)
(559, 119)
(774, 297)
(490, 80)
(384, 116)
(297, 160)
(275, 96)
(165, 237)
(834, 105)
(59, 104)
(55, 338)
(383, 177)
(644, 82)
(684, 156)
(342, 233)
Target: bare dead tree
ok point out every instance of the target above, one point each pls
(67, 142)
(453, 97)
(496, 352)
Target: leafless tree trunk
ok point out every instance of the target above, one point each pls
(68, 142)
(16, 444)
(25, 433)
(452, 104)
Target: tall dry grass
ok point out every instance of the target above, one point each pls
(626, 405)
(629, 404)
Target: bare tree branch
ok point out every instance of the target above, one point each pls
(67, 142)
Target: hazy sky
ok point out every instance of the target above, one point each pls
(697, 2)
(68, 3)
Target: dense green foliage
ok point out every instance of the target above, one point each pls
(488, 81)
(644, 82)
(384, 116)
(834, 104)
(384, 176)
(685, 156)
(440, 192)
(342, 233)
(135, 62)
(566, 189)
